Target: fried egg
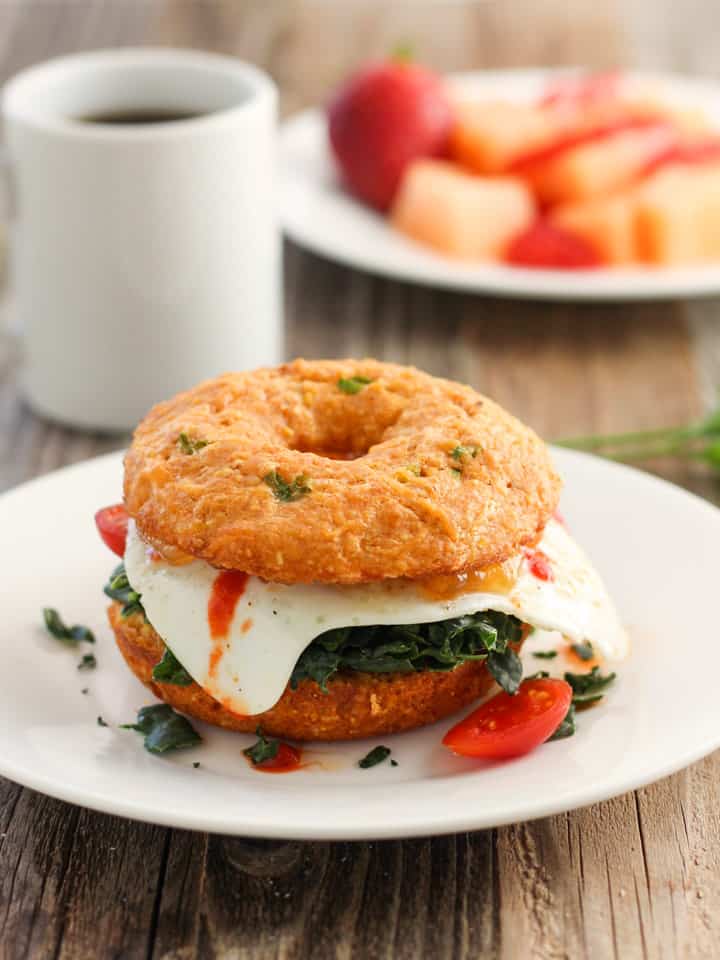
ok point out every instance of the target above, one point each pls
(247, 664)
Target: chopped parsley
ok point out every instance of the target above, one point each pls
(71, 636)
(170, 670)
(118, 588)
(409, 648)
(190, 446)
(545, 654)
(353, 385)
(88, 662)
(377, 755)
(583, 650)
(266, 748)
(163, 729)
(460, 454)
(287, 491)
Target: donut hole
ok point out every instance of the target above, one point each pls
(339, 429)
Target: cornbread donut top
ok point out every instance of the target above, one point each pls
(337, 471)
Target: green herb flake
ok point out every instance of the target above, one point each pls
(287, 491)
(353, 385)
(545, 654)
(101, 722)
(377, 755)
(196, 764)
(590, 687)
(190, 446)
(265, 749)
(163, 729)
(566, 728)
(68, 635)
(460, 452)
(169, 670)
(88, 662)
(393, 763)
(583, 650)
(85, 690)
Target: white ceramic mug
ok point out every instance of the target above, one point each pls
(145, 256)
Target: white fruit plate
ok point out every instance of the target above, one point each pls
(319, 214)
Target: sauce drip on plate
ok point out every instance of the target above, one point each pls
(286, 760)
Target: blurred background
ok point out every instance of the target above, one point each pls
(309, 45)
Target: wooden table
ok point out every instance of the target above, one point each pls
(638, 876)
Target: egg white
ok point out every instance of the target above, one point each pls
(274, 623)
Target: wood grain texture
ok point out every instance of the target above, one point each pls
(638, 876)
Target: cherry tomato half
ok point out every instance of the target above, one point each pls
(508, 726)
(112, 523)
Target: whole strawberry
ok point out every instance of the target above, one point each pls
(386, 116)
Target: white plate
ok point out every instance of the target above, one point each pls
(318, 214)
(655, 544)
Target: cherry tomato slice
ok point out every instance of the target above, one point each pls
(285, 760)
(112, 523)
(544, 246)
(509, 726)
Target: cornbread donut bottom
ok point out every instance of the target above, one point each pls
(357, 705)
(407, 477)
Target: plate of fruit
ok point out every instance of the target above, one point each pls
(535, 183)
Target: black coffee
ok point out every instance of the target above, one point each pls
(134, 117)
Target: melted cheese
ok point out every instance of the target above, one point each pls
(248, 669)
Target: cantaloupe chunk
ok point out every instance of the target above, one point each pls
(601, 167)
(459, 214)
(608, 224)
(678, 215)
(489, 135)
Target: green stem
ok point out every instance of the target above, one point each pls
(670, 434)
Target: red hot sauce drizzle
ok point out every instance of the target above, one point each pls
(286, 760)
(539, 565)
(227, 589)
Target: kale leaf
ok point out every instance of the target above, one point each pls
(409, 648)
(118, 588)
(567, 727)
(589, 687)
(170, 670)
(88, 662)
(164, 729)
(265, 749)
(71, 636)
(583, 650)
(376, 756)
